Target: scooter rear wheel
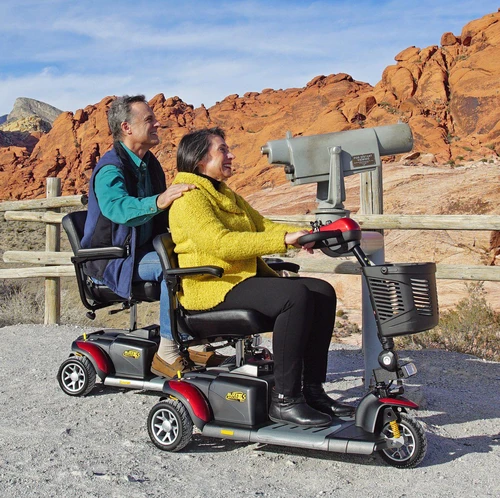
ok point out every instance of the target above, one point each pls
(412, 452)
(169, 425)
(76, 376)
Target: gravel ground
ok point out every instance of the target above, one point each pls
(56, 445)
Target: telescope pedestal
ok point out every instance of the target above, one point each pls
(372, 243)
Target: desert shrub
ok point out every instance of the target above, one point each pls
(21, 301)
(473, 327)
(344, 327)
(73, 311)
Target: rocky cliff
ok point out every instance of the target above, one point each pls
(27, 108)
(448, 93)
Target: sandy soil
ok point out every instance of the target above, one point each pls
(97, 446)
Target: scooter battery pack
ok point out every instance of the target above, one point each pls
(239, 400)
(132, 356)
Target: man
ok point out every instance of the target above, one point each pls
(127, 206)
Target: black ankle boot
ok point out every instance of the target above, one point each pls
(316, 397)
(295, 410)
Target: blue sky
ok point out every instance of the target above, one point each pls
(71, 54)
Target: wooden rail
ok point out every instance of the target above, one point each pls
(346, 266)
(49, 203)
(411, 222)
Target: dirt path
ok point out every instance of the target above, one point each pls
(55, 445)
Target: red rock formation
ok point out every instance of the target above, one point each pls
(494, 246)
(448, 94)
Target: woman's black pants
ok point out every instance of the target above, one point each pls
(304, 313)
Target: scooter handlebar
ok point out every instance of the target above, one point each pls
(320, 238)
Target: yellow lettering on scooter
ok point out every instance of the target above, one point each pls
(131, 353)
(236, 396)
(126, 382)
(226, 432)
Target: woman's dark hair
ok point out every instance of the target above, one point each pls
(120, 111)
(194, 146)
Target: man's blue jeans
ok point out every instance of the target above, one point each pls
(148, 268)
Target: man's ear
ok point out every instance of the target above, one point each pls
(126, 129)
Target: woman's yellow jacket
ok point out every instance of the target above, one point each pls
(220, 228)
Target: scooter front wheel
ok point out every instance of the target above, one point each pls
(414, 446)
(169, 425)
(76, 376)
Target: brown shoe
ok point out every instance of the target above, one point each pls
(206, 358)
(163, 369)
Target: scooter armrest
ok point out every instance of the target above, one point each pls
(278, 264)
(96, 253)
(216, 271)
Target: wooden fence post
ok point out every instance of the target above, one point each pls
(52, 244)
(371, 192)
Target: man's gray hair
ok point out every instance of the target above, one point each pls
(120, 111)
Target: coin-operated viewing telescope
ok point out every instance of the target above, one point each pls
(327, 159)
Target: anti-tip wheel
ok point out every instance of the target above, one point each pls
(414, 447)
(169, 425)
(76, 376)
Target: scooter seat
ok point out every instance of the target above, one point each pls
(227, 323)
(141, 291)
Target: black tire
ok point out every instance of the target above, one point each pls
(169, 425)
(415, 444)
(76, 376)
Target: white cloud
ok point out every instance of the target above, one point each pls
(67, 92)
(72, 54)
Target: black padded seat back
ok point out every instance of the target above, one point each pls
(74, 225)
(165, 247)
(96, 296)
(237, 323)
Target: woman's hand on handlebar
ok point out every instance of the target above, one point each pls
(291, 239)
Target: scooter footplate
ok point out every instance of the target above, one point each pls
(340, 437)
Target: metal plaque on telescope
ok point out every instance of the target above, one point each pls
(364, 160)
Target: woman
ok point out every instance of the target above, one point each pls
(212, 225)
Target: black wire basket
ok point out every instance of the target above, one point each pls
(404, 297)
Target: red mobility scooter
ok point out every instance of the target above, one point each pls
(231, 401)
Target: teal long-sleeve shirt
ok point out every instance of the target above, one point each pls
(119, 206)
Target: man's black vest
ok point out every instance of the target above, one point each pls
(102, 232)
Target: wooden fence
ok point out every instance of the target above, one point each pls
(57, 264)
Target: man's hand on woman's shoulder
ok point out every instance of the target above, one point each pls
(173, 192)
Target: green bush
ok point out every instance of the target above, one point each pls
(473, 327)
